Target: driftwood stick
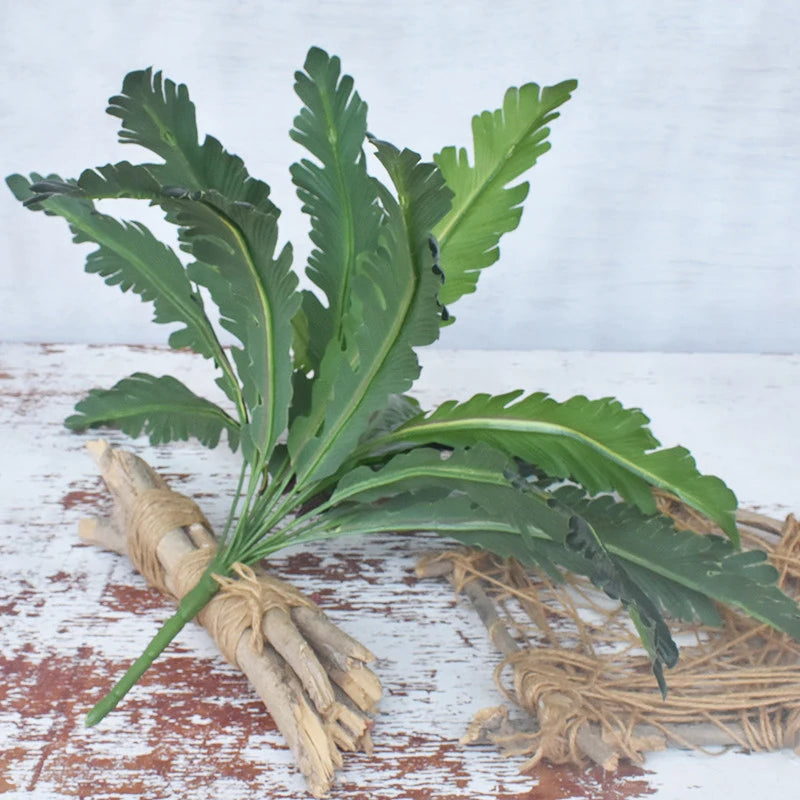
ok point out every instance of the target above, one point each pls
(307, 658)
(316, 627)
(498, 633)
(589, 736)
(760, 522)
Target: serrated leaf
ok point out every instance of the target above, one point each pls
(255, 291)
(399, 408)
(157, 114)
(598, 443)
(229, 224)
(608, 573)
(507, 142)
(129, 256)
(162, 408)
(709, 565)
(337, 194)
(392, 310)
(682, 572)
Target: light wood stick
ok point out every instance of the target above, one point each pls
(294, 684)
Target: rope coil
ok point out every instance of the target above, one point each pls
(577, 666)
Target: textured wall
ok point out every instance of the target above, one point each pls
(665, 217)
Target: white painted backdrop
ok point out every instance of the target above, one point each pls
(664, 218)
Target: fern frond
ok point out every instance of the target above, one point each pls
(336, 191)
(255, 291)
(129, 256)
(475, 497)
(392, 310)
(507, 142)
(598, 443)
(157, 114)
(229, 224)
(161, 407)
(470, 499)
(710, 565)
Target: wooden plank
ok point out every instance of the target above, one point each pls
(73, 617)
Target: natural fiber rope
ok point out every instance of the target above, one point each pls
(155, 513)
(242, 601)
(742, 678)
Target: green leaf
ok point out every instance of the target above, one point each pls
(392, 310)
(507, 142)
(614, 544)
(600, 538)
(229, 224)
(436, 509)
(484, 475)
(485, 511)
(132, 258)
(255, 292)
(157, 114)
(680, 570)
(161, 407)
(234, 242)
(598, 443)
(399, 408)
(607, 573)
(336, 192)
(709, 565)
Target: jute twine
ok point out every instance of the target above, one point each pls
(581, 668)
(242, 601)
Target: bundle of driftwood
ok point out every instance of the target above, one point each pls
(312, 676)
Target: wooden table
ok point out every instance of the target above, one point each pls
(73, 617)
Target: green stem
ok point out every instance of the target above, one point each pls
(263, 510)
(191, 604)
(232, 513)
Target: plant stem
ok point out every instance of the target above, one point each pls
(236, 498)
(190, 605)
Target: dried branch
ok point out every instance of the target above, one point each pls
(305, 658)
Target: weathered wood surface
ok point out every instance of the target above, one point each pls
(72, 617)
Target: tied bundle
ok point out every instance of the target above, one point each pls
(311, 676)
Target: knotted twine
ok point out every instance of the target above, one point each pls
(241, 602)
(579, 669)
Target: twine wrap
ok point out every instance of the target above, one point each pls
(155, 513)
(242, 601)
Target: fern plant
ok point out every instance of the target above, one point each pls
(317, 382)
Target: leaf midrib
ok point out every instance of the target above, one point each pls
(268, 322)
(350, 239)
(363, 386)
(196, 410)
(510, 424)
(476, 194)
(444, 470)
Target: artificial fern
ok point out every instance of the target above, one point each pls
(317, 383)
